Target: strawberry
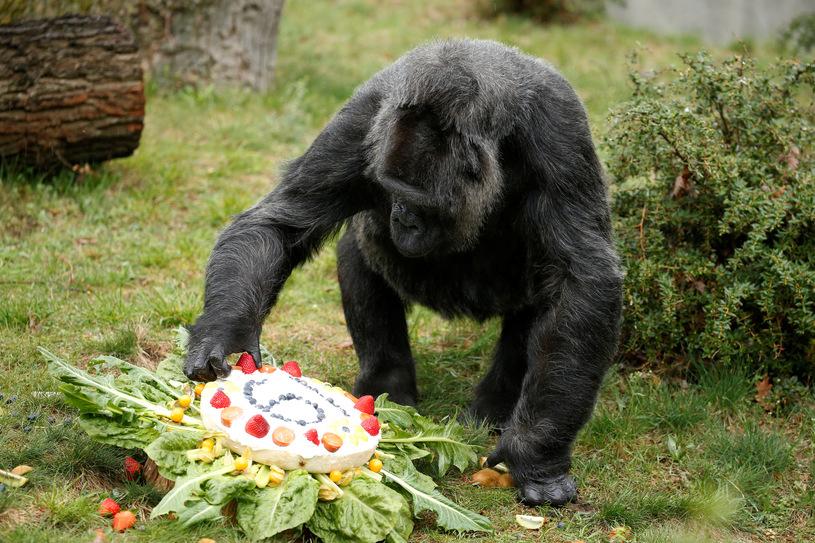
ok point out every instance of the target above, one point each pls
(365, 404)
(123, 520)
(257, 426)
(311, 435)
(132, 467)
(109, 507)
(292, 368)
(219, 400)
(247, 363)
(370, 425)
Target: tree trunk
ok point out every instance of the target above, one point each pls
(71, 91)
(225, 42)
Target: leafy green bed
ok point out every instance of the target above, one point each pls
(129, 406)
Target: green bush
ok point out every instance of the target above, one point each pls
(554, 11)
(714, 201)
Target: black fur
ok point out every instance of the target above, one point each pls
(469, 182)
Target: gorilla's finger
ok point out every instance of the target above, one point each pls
(217, 361)
(555, 491)
(495, 458)
(255, 352)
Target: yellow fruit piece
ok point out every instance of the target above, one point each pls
(199, 388)
(375, 465)
(184, 401)
(206, 540)
(530, 522)
(262, 477)
(335, 476)
(22, 469)
(208, 444)
(276, 475)
(241, 463)
(177, 414)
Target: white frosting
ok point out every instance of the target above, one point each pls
(281, 399)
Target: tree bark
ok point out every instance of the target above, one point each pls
(71, 91)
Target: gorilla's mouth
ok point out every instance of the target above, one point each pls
(410, 232)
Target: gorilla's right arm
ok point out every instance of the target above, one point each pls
(257, 252)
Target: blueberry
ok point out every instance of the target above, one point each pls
(561, 525)
(11, 400)
(2, 488)
(52, 419)
(27, 428)
(32, 417)
(1, 396)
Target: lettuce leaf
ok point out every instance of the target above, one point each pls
(172, 367)
(169, 452)
(187, 488)
(415, 436)
(404, 524)
(199, 511)
(134, 434)
(422, 490)
(366, 513)
(272, 510)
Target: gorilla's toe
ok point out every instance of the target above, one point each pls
(556, 491)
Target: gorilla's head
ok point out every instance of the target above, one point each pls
(441, 183)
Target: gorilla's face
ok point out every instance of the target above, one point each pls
(441, 184)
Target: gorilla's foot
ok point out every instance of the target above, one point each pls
(558, 490)
(399, 383)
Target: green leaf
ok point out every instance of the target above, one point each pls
(425, 497)
(199, 511)
(136, 434)
(404, 524)
(272, 510)
(188, 487)
(366, 513)
(169, 452)
(394, 413)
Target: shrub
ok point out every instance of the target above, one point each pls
(714, 201)
(799, 38)
(554, 11)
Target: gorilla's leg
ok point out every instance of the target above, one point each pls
(498, 391)
(375, 316)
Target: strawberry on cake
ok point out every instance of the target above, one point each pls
(288, 420)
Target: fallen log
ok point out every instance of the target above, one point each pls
(71, 91)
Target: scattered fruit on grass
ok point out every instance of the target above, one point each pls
(487, 478)
(11, 479)
(208, 444)
(123, 520)
(282, 436)
(199, 388)
(22, 469)
(219, 400)
(335, 476)
(132, 467)
(365, 404)
(292, 368)
(177, 414)
(371, 425)
(184, 401)
(530, 522)
(266, 368)
(257, 426)
(247, 363)
(229, 414)
(505, 480)
(109, 507)
(619, 534)
(311, 435)
(375, 465)
(332, 442)
(241, 463)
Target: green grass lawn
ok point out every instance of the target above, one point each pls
(112, 262)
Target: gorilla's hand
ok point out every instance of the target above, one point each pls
(541, 478)
(210, 344)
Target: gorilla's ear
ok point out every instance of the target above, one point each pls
(415, 137)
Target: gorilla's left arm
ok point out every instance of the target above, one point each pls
(257, 252)
(574, 337)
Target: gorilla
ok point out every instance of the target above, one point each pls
(468, 182)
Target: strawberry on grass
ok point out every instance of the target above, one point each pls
(132, 467)
(109, 507)
(123, 520)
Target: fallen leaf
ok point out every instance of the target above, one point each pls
(792, 158)
(347, 344)
(763, 389)
(682, 184)
(22, 469)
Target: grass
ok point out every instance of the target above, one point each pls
(110, 262)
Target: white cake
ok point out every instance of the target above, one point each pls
(302, 418)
